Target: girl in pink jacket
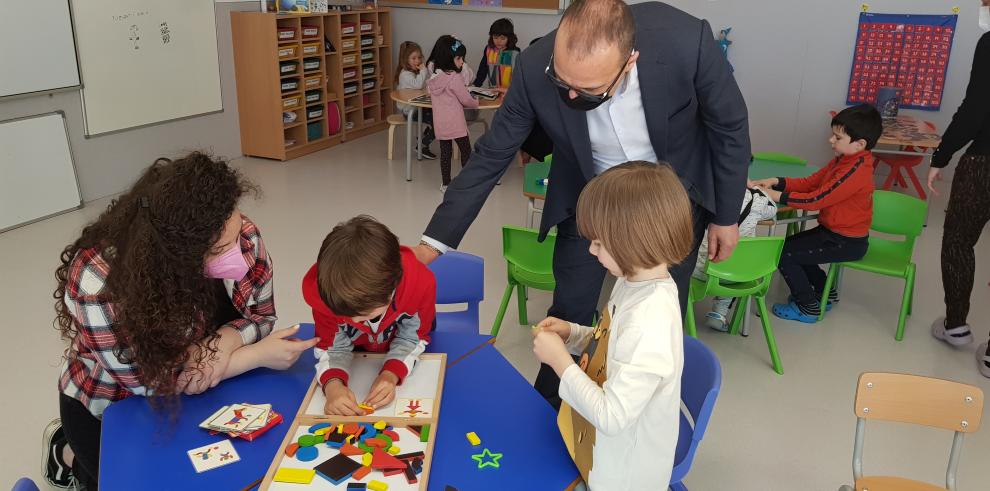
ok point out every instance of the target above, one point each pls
(449, 97)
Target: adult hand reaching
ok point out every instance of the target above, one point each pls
(934, 174)
(425, 253)
(722, 240)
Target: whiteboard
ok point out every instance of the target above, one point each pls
(421, 384)
(37, 52)
(146, 61)
(39, 179)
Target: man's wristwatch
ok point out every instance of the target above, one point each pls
(430, 246)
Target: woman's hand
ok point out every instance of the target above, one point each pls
(201, 374)
(934, 174)
(278, 351)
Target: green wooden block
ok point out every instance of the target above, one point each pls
(424, 434)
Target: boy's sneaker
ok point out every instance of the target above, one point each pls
(716, 321)
(791, 311)
(57, 473)
(428, 155)
(443, 188)
(956, 336)
(983, 360)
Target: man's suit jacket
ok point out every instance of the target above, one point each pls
(695, 114)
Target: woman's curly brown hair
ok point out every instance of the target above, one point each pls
(155, 238)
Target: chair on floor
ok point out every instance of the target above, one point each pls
(788, 159)
(905, 163)
(529, 264)
(393, 121)
(460, 279)
(700, 384)
(745, 274)
(914, 400)
(24, 484)
(894, 214)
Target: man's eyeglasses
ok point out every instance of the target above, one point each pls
(590, 98)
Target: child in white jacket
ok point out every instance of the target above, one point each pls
(638, 218)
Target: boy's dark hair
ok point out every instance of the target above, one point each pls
(359, 266)
(862, 122)
(445, 50)
(503, 27)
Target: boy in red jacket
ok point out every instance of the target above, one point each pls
(367, 293)
(842, 193)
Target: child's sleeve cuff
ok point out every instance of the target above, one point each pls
(396, 367)
(783, 198)
(781, 184)
(333, 373)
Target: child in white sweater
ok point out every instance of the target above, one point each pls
(413, 75)
(638, 218)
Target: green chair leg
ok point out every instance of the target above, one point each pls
(905, 302)
(738, 316)
(523, 318)
(501, 309)
(689, 326)
(833, 271)
(768, 332)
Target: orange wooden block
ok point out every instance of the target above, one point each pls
(351, 428)
(374, 442)
(391, 434)
(291, 449)
(361, 473)
(350, 450)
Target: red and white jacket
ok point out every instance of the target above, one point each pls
(403, 332)
(841, 192)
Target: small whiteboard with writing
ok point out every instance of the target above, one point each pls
(37, 52)
(39, 179)
(146, 61)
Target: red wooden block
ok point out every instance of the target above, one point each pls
(391, 434)
(351, 428)
(383, 461)
(351, 450)
(291, 449)
(360, 473)
(393, 472)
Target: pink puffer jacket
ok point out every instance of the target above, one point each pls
(449, 96)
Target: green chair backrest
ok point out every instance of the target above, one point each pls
(548, 159)
(520, 247)
(898, 214)
(780, 158)
(753, 258)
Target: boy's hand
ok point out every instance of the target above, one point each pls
(774, 195)
(552, 324)
(382, 390)
(340, 400)
(278, 351)
(549, 348)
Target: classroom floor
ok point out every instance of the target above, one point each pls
(769, 432)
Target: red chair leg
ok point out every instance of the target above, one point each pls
(890, 178)
(917, 184)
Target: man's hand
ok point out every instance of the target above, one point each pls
(425, 253)
(934, 174)
(722, 240)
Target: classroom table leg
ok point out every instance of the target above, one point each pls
(419, 133)
(409, 125)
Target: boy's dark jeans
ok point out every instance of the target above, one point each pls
(802, 254)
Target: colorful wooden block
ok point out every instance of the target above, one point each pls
(337, 469)
(381, 460)
(473, 438)
(410, 456)
(393, 472)
(306, 454)
(292, 449)
(415, 429)
(350, 450)
(351, 428)
(376, 442)
(361, 473)
(294, 476)
(391, 434)
(377, 486)
(380, 425)
(356, 486)
(367, 459)
(411, 475)
(309, 440)
(424, 434)
(335, 440)
(393, 450)
(318, 426)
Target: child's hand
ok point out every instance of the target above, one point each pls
(552, 324)
(763, 183)
(340, 400)
(382, 390)
(278, 351)
(774, 195)
(549, 348)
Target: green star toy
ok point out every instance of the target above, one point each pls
(482, 463)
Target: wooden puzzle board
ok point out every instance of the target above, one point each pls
(426, 379)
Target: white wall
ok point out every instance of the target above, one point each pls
(792, 57)
(109, 164)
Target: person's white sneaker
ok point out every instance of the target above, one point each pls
(982, 359)
(443, 189)
(957, 336)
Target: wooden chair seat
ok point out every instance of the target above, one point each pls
(393, 121)
(887, 483)
(396, 119)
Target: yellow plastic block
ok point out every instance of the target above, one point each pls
(393, 450)
(473, 438)
(377, 486)
(366, 459)
(380, 425)
(340, 428)
(320, 431)
(295, 476)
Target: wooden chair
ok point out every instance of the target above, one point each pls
(393, 121)
(916, 400)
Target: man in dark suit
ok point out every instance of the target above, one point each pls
(613, 83)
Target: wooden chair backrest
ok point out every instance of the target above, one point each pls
(919, 400)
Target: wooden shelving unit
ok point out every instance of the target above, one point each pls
(298, 73)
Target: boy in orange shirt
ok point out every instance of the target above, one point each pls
(842, 193)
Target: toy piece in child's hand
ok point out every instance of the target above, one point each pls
(366, 408)
(213, 455)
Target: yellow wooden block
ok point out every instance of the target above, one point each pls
(340, 428)
(366, 459)
(320, 431)
(377, 486)
(294, 476)
(473, 438)
(394, 450)
(380, 425)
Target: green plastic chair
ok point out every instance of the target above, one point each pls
(530, 264)
(894, 214)
(746, 273)
(780, 158)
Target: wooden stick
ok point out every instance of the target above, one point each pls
(253, 485)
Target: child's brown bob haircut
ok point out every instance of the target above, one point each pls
(640, 213)
(359, 266)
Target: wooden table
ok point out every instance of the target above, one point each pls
(405, 96)
(909, 131)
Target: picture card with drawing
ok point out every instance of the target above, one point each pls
(414, 407)
(214, 455)
(237, 417)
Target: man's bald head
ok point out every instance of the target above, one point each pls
(590, 26)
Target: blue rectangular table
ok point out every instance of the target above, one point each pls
(141, 450)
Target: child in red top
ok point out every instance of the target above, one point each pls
(842, 193)
(367, 293)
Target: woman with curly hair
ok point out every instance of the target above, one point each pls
(168, 292)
